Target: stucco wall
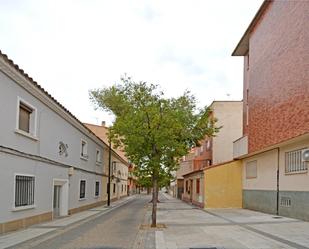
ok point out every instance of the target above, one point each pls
(278, 75)
(293, 182)
(223, 186)
(266, 171)
(51, 129)
(197, 198)
(260, 193)
(229, 115)
(44, 174)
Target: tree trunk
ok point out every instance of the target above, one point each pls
(154, 203)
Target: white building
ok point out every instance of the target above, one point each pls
(51, 164)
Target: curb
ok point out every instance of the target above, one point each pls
(36, 240)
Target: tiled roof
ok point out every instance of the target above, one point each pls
(33, 82)
(102, 132)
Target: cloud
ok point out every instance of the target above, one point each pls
(71, 46)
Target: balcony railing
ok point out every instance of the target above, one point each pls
(240, 147)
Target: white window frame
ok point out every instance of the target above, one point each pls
(98, 162)
(32, 134)
(297, 169)
(82, 155)
(83, 198)
(14, 189)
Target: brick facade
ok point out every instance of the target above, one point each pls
(276, 82)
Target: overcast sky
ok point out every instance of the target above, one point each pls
(71, 46)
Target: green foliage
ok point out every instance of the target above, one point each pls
(154, 131)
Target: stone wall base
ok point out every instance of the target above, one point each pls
(266, 201)
(25, 222)
(32, 220)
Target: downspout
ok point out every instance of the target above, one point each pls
(278, 167)
(109, 172)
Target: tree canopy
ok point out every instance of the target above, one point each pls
(154, 131)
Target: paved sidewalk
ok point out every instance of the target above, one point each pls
(48, 230)
(191, 227)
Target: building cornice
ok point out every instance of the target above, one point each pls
(13, 71)
(18, 153)
(242, 47)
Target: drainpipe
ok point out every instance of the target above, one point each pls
(109, 173)
(278, 165)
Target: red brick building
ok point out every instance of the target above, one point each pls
(276, 109)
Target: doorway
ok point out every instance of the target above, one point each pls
(191, 188)
(60, 198)
(56, 201)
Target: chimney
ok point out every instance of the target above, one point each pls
(103, 123)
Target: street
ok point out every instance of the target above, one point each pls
(181, 226)
(117, 229)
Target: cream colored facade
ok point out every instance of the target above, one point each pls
(285, 195)
(119, 166)
(267, 165)
(229, 115)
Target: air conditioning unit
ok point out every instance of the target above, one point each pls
(305, 155)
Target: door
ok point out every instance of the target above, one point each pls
(56, 201)
(191, 190)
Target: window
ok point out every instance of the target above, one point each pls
(197, 186)
(82, 189)
(187, 186)
(98, 156)
(293, 162)
(26, 118)
(83, 151)
(251, 169)
(97, 188)
(121, 187)
(114, 188)
(24, 190)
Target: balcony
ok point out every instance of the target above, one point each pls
(240, 147)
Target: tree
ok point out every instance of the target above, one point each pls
(154, 131)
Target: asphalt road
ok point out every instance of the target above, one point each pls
(118, 229)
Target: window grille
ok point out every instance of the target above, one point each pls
(82, 189)
(97, 188)
(285, 201)
(293, 162)
(24, 190)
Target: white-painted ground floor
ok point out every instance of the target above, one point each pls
(34, 190)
